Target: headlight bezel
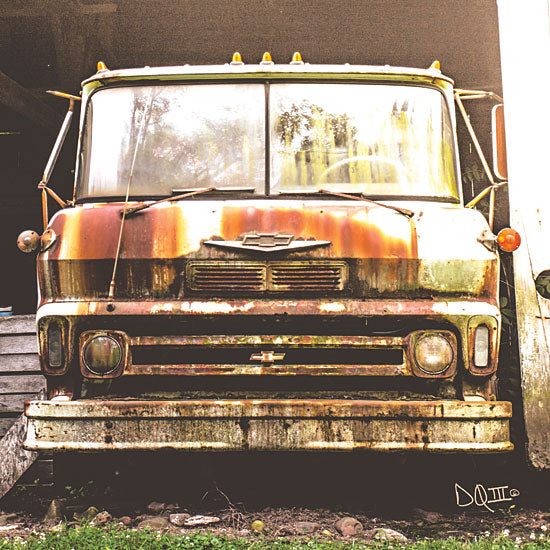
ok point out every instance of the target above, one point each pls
(86, 338)
(421, 371)
(493, 326)
(44, 327)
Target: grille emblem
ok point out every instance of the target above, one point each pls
(267, 242)
(267, 357)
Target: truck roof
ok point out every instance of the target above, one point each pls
(271, 71)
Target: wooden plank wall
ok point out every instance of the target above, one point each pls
(20, 377)
(21, 380)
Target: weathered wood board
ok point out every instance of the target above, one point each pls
(527, 123)
(19, 362)
(20, 376)
(10, 403)
(18, 324)
(20, 381)
(20, 343)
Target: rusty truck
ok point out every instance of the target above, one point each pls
(268, 257)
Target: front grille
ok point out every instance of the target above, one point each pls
(266, 276)
(227, 277)
(315, 276)
(243, 355)
(166, 355)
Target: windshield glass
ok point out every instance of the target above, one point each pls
(376, 139)
(183, 137)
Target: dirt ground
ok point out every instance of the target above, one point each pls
(295, 495)
(415, 524)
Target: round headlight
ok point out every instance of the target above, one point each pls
(102, 354)
(433, 353)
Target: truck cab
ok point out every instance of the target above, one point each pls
(268, 257)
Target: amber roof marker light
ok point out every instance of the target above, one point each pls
(508, 239)
(297, 59)
(237, 59)
(266, 59)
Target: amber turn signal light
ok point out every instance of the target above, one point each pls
(508, 239)
(28, 241)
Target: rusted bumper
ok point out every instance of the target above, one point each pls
(327, 425)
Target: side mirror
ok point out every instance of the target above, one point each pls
(500, 167)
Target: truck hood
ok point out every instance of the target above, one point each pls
(434, 253)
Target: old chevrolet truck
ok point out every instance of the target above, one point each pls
(268, 257)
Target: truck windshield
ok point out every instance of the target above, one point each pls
(377, 139)
(380, 140)
(192, 136)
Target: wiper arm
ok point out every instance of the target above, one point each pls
(243, 189)
(361, 197)
(199, 191)
(143, 206)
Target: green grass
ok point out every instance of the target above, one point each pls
(94, 538)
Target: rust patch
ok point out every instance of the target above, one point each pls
(353, 231)
(171, 231)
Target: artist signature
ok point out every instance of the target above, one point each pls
(484, 496)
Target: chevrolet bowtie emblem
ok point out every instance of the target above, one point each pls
(267, 242)
(267, 357)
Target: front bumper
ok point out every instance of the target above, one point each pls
(273, 425)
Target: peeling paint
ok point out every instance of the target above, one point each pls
(332, 307)
(214, 307)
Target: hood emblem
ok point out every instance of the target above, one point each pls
(267, 242)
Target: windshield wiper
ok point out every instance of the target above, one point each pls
(361, 197)
(198, 191)
(242, 189)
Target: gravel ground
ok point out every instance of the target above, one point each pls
(524, 523)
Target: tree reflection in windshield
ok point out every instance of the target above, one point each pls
(196, 136)
(375, 139)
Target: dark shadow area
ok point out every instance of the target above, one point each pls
(386, 484)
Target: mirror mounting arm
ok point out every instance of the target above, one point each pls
(494, 186)
(43, 185)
